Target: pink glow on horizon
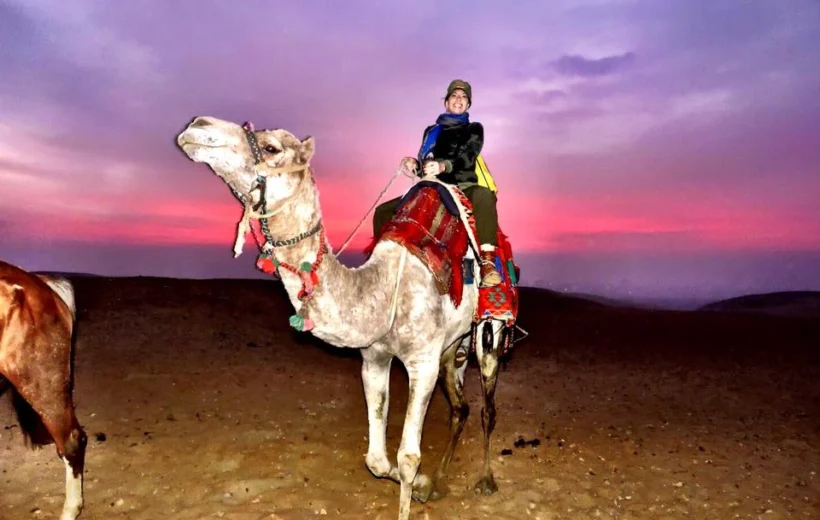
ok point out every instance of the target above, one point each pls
(566, 223)
(610, 129)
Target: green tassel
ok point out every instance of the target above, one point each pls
(306, 267)
(297, 322)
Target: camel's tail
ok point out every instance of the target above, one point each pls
(34, 430)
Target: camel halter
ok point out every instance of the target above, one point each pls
(259, 211)
(267, 261)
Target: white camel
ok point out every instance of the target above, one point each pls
(387, 308)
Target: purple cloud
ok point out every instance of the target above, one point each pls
(574, 65)
(582, 99)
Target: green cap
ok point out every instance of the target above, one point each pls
(463, 85)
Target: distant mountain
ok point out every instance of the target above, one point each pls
(69, 275)
(610, 302)
(548, 298)
(791, 303)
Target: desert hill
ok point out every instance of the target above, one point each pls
(797, 303)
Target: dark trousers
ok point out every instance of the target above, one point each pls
(484, 209)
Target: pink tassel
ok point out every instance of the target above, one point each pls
(308, 324)
(307, 282)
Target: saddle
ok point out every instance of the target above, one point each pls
(434, 221)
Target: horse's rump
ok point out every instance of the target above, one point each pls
(21, 332)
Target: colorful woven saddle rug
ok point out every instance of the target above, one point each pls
(428, 223)
(501, 301)
(435, 223)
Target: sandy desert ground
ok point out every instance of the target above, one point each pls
(200, 402)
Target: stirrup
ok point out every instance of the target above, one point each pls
(491, 278)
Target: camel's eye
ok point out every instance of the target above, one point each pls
(271, 149)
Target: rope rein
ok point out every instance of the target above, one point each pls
(400, 170)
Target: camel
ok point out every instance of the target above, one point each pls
(37, 316)
(387, 308)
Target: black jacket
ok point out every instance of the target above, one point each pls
(458, 146)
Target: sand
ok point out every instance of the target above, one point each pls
(200, 402)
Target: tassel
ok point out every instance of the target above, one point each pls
(242, 229)
(307, 282)
(265, 264)
(300, 323)
(297, 321)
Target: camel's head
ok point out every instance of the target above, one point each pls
(240, 155)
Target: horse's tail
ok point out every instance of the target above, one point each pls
(34, 430)
(64, 289)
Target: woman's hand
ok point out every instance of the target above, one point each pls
(433, 168)
(411, 164)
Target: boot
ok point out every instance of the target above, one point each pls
(489, 274)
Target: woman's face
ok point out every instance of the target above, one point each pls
(457, 103)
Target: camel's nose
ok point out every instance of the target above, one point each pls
(200, 122)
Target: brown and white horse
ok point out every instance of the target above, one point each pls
(37, 317)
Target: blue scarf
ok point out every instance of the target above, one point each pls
(432, 135)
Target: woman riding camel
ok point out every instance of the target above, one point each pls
(449, 150)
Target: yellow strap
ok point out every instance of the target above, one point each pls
(484, 177)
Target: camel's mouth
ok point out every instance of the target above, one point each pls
(189, 140)
(204, 133)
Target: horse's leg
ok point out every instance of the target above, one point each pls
(71, 442)
(452, 378)
(488, 350)
(422, 375)
(44, 400)
(73, 455)
(376, 380)
(54, 411)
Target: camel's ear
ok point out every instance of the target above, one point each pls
(307, 149)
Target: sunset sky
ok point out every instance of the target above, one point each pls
(650, 149)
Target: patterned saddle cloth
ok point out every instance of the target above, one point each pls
(435, 223)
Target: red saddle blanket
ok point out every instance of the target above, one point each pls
(439, 239)
(434, 235)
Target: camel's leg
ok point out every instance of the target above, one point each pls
(488, 350)
(376, 380)
(422, 376)
(452, 378)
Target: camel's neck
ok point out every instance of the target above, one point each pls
(297, 217)
(336, 309)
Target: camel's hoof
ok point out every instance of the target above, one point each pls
(486, 486)
(422, 488)
(440, 491)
